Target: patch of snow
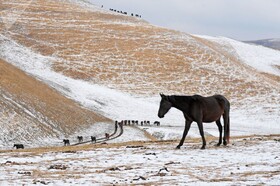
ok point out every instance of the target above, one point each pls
(250, 161)
(261, 58)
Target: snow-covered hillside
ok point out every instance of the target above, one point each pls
(116, 65)
(270, 43)
(261, 58)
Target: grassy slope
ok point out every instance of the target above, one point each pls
(30, 109)
(131, 55)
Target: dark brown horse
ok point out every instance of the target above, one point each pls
(93, 139)
(199, 109)
(80, 139)
(66, 142)
(19, 146)
(107, 135)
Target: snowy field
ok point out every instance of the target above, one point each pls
(247, 161)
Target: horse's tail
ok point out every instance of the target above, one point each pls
(227, 121)
(224, 103)
(228, 129)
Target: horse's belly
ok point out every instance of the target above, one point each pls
(211, 118)
(210, 121)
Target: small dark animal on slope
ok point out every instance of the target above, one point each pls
(66, 142)
(19, 146)
(157, 123)
(199, 109)
(93, 139)
(107, 136)
(80, 139)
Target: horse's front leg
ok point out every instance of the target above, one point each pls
(200, 126)
(187, 128)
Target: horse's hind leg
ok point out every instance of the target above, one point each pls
(226, 128)
(218, 122)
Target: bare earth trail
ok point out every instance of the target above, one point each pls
(112, 136)
(251, 160)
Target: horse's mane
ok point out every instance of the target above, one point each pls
(183, 98)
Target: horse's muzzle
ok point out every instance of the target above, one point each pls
(160, 116)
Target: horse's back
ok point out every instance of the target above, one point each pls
(212, 107)
(222, 100)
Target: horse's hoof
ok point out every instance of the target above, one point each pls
(178, 147)
(202, 148)
(218, 144)
(225, 143)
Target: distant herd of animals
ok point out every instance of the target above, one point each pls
(66, 142)
(195, 108)
(136, 122)
(80, 139)
(123, 12)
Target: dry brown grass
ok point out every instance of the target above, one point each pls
(43, 102)
(99, 48)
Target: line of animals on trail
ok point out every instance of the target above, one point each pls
(125, 13)
(122, 12)
(107, 135)
(136, 122)
(81, 139)
(67, 141)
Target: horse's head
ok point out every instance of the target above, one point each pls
(165, 106)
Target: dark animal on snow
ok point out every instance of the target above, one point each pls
(121, 125)
(199, 109)
(116, 126)
(18, 146)
(93, 139)
(66, 142)
(80, 139)
(157, 123)
(107, 136)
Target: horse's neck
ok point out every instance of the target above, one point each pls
(181, 102)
